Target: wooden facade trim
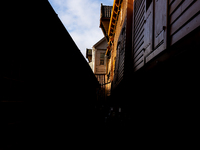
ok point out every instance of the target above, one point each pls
(114, 16)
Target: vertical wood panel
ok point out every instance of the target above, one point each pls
(184, 19)
(160, 28)
(148, 34)
(160, 22)
(138, 34)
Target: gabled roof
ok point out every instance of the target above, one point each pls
(106, 11)
(99, 42)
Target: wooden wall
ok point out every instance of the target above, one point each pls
(138, 34)
(100, 69)
(122, 43)
(184, 17)
(157, 25)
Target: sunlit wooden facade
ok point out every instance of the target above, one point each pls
(98, 63)
(119, 33)
(153, 58)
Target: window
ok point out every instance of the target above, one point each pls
(102, 58)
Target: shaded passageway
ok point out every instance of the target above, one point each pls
(49, 93)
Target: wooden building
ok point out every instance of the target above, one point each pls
(119, 33)
(106, 12)
(165, 51)
(153, 62)
(98, 62)
(144, 32)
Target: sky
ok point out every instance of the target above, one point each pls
(81, 18)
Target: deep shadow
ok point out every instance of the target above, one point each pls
(49, 90)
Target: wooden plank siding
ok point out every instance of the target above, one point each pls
(120, 58)
(158, 24)
(122, 43)
(184, 18)
(157, 27)
(148, 42)
(160, 28)
(138, 34)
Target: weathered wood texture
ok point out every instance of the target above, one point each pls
(184, 18)
(148, 42)
(138, 34)
(158, 24)
(123, 42)
(160, 28)
(100, 67)
(120, 58)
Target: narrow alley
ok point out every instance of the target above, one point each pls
(138, 87)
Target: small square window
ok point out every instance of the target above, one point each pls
(102, 55)
(101, 62)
